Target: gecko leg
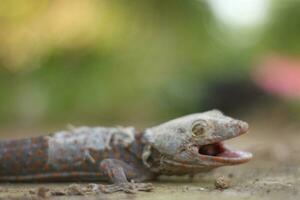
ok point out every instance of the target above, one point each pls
(119, 172)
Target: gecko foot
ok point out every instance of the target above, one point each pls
(129, 187)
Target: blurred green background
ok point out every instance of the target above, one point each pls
(137, 62)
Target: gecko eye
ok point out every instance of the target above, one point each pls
(199, 128)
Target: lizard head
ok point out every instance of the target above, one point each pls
(194, 143)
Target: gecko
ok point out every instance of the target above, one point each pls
(125, 157)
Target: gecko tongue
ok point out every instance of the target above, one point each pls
(229, 154)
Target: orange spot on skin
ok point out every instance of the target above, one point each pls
(74, 174)
(127, 157)
(37, 165)
(85, 166)
(46, 167)
(40, 153)
(65, 167)
(129, 174)
(104, 154)
(7, 157)
(16, 168)
(116, 153)
(34, 140)
(56, 174)
(45, 144)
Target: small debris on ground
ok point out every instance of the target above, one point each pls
(75, 189)
(71, 190)
(43, 192)
(185, 189)
(58, 193)
(222, 182)
(92, 188)
(32, 191)
(201, 189)
(189, 189)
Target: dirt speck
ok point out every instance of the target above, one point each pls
(230, 175)
(92, 188)
(32, 191)
(43, 192)
(75, 189)
(185, 189)
(58, 193)
(222, 182)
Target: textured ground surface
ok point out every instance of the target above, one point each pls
(274, 173)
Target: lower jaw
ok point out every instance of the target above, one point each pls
(226, 157)
(218, 152)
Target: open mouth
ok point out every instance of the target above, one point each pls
(221, 153)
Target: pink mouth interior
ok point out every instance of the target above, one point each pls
(218, 150)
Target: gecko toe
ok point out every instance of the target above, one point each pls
(126, 187)
(146, 187)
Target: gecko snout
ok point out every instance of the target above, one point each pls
(243, 127)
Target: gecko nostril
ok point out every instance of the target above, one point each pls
(243, 127)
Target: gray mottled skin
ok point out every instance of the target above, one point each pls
(186, 145)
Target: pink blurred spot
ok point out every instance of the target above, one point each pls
(279, 76)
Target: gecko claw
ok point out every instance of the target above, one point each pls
(126, 187)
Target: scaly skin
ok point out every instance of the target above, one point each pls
(187, 145)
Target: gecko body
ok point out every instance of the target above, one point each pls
(124, 156)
